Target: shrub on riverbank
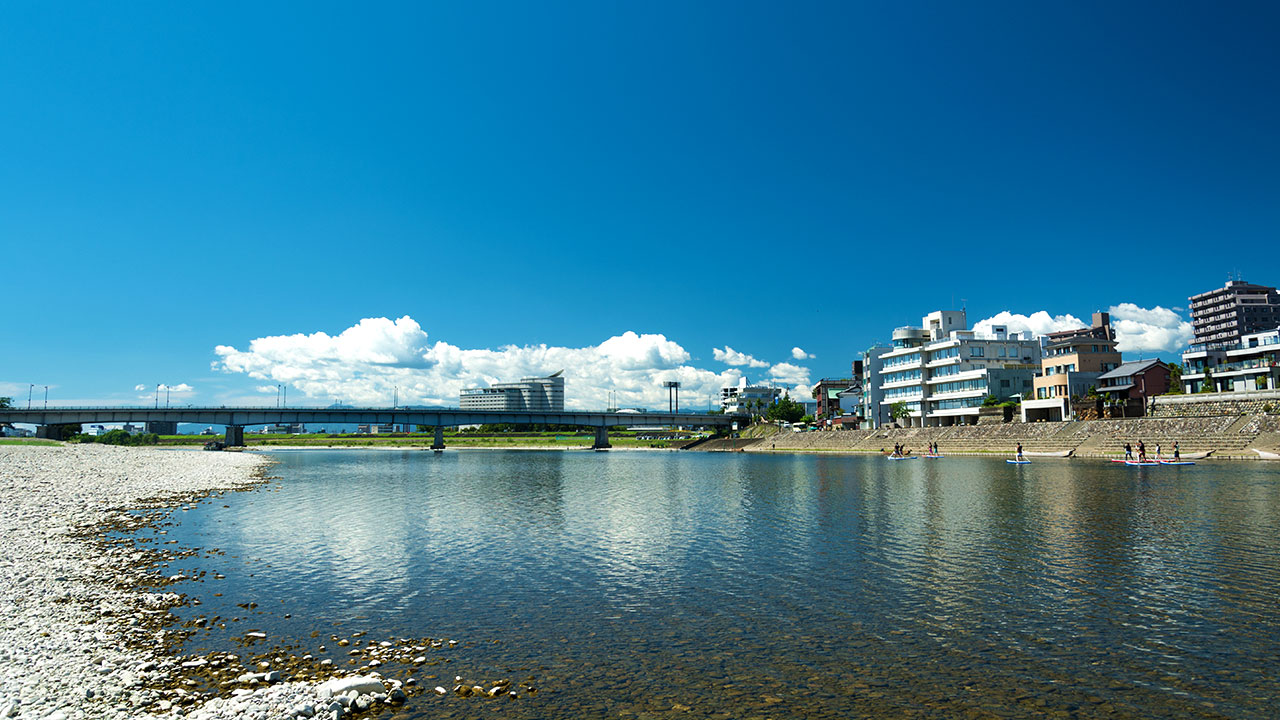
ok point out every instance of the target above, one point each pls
(117, 437)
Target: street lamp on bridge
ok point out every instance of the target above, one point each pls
(673, 396)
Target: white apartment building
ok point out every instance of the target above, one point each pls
(744, 398)
(544, 394)
(1253, 363)
(943, 371)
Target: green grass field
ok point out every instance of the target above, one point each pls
(27, 441)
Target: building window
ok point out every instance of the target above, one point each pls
(975, 352)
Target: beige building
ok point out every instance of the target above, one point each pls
(1071, 363)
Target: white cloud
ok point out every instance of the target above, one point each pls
(729, 356)
(798, 354)
(1137, 329)
(1157, 329)
(272, 389)
(365, 363)
(1039, 323)
(149, 392)
(789, 373)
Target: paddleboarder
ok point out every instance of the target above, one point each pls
(1128, 451)
(1019, 455)
(1142, 451)
(1176, 454)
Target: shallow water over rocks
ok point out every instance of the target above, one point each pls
(644, 585)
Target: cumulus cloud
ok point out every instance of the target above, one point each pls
(729, 356)
(147, 392)
(798, 354)
(789, 373)
(1038, 323)
(1153, 330)
(366, 363)
(1137, 329)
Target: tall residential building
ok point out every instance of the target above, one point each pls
(943, 371)
(1229, 325)
(538, 394)
(875, 412)
(1072, 362)
(1221, 317)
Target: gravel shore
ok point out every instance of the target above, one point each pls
(75, 640)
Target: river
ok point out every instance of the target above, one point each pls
(665, 584)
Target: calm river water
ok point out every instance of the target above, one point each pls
(662, 584)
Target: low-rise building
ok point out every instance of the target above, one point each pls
(1251, 364)
(747, 398)
(1136, 381)
(1072, 362)
(827, 392)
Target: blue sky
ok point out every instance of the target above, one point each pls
(717, 179)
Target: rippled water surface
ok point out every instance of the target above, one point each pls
(643, 585)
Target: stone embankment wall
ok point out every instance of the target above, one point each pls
(1212, 404)
(1226, 436)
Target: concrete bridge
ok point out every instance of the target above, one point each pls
(50, 421)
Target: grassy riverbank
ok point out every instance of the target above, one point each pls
(550, 441)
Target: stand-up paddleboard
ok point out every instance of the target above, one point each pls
(933, 457)
(904, 457)
(1018, 462)
(1176, 462)
(1136, 463)
(1120, 460)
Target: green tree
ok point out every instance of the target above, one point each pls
(899, 410)
(1175, 379)
(1206, 385)
(786, 410)
(6, 402)
(990, 401)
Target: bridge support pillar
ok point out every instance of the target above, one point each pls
(438, 444)
(602, 439)
(162, 427)
(235, 436)
(56, 432)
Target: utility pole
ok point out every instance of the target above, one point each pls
(30, 387)
(46, 397)
(157, 396)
